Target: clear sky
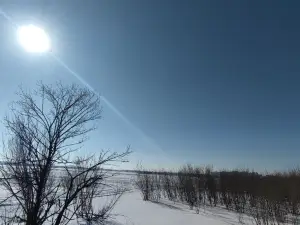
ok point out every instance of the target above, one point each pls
(205, 82)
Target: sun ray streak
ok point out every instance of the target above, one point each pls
(106, 101)
(7, 17)
(157, 149)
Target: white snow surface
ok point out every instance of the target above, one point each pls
(132, 210)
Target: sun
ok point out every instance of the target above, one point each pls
(33, 39)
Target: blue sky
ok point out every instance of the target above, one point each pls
(205, 82)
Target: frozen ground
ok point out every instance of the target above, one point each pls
(132, 210)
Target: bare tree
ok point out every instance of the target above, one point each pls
(144, 183)
(46, 128)
(85, 202)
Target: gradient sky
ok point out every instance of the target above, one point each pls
(205, 82)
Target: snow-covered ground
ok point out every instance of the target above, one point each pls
(132, 210)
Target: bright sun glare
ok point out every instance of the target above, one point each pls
(33, 39)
